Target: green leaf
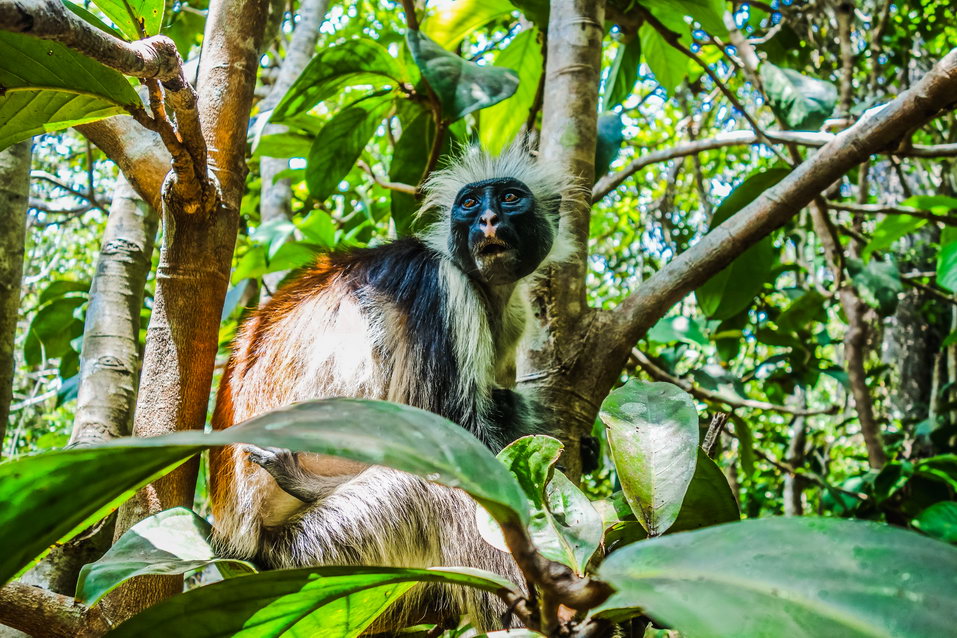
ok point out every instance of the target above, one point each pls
(171, 542)
(349, 63)
(668, 64)
(575, 520)
(331, 602)
(733, 288)
(54, 495)
(62, 287)
(451, 21)
(381, 433)
(804, 310)
(283, 145)
(708, 13)
(92, 18)
(339, 144)
(127, 15)
(623, 74)
(653, 434)
(54, 326)
(499, 124)
(947, 267)
(889, 230)
(709, 500)
(672, 329)
(803, 102)
(564, 525)
(789, 577)
(878, 283)
(409, 161)
(461, 86)
(48, 87)
(939, 521)
(745, 444)
(937, 204)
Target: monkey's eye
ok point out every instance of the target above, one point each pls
(469, 202)
(509, 197)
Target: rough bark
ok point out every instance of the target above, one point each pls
(14, 194)
(192, 277)
(110, 360)
(276, 199)
(568, 139)
(44, 614)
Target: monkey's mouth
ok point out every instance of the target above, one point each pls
(491, 247)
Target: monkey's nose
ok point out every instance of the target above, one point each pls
(488, 221)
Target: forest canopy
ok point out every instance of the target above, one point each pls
(747, 365)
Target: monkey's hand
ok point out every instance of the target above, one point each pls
(283, 465)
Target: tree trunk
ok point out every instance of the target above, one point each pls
(553, 361)
(110, 361)
(14, 193)
(192, 277)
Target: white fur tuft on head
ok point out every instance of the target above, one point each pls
(472, 165)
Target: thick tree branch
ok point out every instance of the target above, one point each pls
(879, 131)
(657, 373)
(44, 614)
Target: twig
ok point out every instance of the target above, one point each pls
(56, 181)
(392, 186)
(879, 209)
(655, 372)
(714, 429)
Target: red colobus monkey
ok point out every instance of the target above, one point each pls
(432, 322)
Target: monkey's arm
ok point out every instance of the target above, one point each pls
(283, 465)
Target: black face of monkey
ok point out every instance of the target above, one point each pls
(499, 234)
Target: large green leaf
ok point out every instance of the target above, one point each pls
(53, 328)
(791, 577)
(877, 282)
(709, 13)
(623, 74)
(339, 144)
(450, 21)
(669, 65)
(461, 86)
(349, 63)
(733, 289)
(500, 124)
(331, 602)
(803, 102)
(381, 433)
(50, 496)
(171, 542)
(127, 15)
(889, 230)
(672, 329)
(653, 434)
(47, 87)
(804, 310)
(409, 161)
(564, 525)
(709, 500)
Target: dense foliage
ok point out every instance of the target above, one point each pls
(818, 370)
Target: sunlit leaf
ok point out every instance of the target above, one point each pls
(171, 542)
(499, 124)
(796, 577)
(623, 74)
(450, 21)
(131, 15)
(461, 86)
(803, 102)
(889, 230)
(331, 602)
(653, 434)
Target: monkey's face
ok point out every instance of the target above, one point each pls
(499, 233)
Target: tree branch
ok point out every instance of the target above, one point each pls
(408, 189)
(879, 209)
(44, 614)
(659, 374)
(878, 131)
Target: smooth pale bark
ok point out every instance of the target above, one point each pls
(14, 194)
(550, 361)
(192, 277)
(110, 360)
(276, 199)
